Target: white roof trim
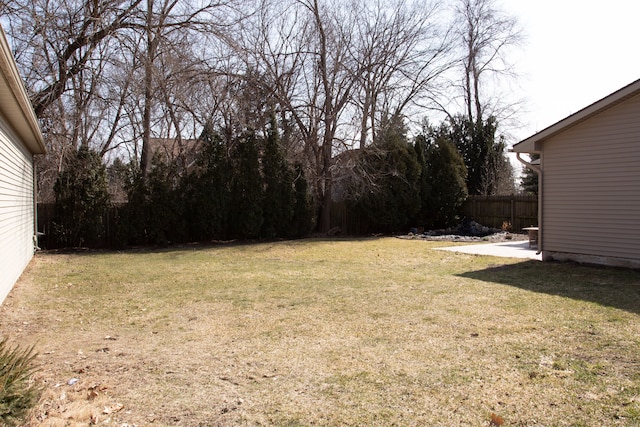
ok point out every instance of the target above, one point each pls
(532, 144)
(14, 101)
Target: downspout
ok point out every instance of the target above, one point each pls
(35, 206)
(538, 171)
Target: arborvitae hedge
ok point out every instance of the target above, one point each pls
(82, 201)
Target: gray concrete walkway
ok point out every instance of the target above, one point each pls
(517, 249)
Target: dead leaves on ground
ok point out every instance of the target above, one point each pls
(79, 402)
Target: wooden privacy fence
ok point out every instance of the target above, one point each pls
(47, 240)
(492, 211)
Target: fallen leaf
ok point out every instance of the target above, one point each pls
(95, 390)
(113, 408)
(496, 421)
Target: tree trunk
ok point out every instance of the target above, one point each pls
(145, 161)
(325, 207)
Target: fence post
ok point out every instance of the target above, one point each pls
(513, 210)
(473, 207)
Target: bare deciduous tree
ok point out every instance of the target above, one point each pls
(485, 34)
(97, 73)
(61, 38)
(401, 50)
(168, 25)
(64, 51)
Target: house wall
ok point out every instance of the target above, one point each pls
(16, 208)
(591, 207)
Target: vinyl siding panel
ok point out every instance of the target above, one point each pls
(591, 185)
(16, 208)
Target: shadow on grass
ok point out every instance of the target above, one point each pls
(611, 287)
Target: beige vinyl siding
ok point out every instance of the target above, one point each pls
(16, 208)
(592, 185)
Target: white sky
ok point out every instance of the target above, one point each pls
(576, 52)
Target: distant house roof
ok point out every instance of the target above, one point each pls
(171, 148)
(14, 101)
(533, 143)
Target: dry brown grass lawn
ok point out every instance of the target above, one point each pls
(346, 332)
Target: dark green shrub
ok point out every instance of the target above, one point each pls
(82, 200)
(303, 219)
(443, 189)
(391, 164)
(247, 189)
(164, 224)
(483, 152)
(18, 393)
(131, 217)
(154, 210)
(206, 189)
(279, 192)
(529, 180)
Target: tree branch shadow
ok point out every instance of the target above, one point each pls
(612, 287)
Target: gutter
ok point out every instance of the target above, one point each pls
(538, 171)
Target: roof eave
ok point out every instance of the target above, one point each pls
(533, 144)
(15, 104)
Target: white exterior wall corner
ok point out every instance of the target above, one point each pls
(591, 199)
(16, 208)
(20, 139)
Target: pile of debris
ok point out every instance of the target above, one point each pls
(466, 231)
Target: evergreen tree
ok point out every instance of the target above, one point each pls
(394, 197)
(279, 196)
(82, 200)
(421, 147)
(445, 171)
(163, 204)
(529, 179)
(154, 211)
(132, 225)
(302, 222)
(117, 174)
(246, 214)
(488, 171)
(207, 189)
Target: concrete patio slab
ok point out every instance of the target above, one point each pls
(516, 249)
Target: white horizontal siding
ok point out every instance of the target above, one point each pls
(592, 185)
(16, 208)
